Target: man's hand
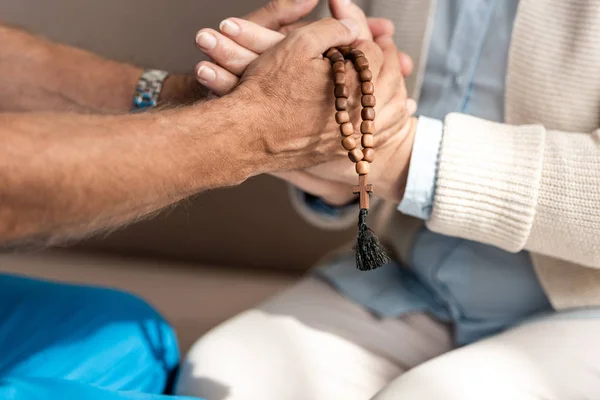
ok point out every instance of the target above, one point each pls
(292, 91)
(242, 41)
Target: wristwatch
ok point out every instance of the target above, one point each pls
(148, 90)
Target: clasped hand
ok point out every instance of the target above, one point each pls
(247, 56)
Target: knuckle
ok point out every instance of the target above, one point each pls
(303, 39)
(272, 7)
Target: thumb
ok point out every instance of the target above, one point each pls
(345, 9)
(406, 64)
(277, 13)
(319, 36)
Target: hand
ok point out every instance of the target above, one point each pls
(239, 42)
(292, 81)
(233, 57)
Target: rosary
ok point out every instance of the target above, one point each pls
(369, 252)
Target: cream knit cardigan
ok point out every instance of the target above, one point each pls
(534, 182)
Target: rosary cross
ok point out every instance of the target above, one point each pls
(363, 190)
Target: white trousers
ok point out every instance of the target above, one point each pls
(310, 343)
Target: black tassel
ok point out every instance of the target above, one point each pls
(370, 254)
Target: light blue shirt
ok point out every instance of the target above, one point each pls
(479, 288)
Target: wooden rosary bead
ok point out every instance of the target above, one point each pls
(341, 117)
(367, 88)
(368, 141)
(361, 63)
(367, 100)
(345, 50)
(356, 155)
(331, 52)
(349, 143)
(339, 66)
(341, 91)
(368, 114)
(347, 129)
(365, 75)
(356, 53)
(363, 168)
(339, 78)
(367, 127)
(368, 154)
(341, 104)
(336, 57)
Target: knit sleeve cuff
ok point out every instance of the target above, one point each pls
(488, 179)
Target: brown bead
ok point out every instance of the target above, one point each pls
(347, 129)
(367, 88)
(367, 127)
(367, 100)
(368, 113)
(342, 91)
(368, 141)
(341, 104)
(365, 75)
(339, 78)
(331, 52)
(361, 63)
(369, 154)
(339, 66)
(345, 50)
(356, 53)
(356, 155)
(341, 117)
(349, 143)
(337, 57)
(363, 167)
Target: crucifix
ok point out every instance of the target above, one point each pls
(363, 190)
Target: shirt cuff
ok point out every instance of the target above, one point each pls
(420, 187)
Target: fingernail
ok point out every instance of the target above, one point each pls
(350, 24)
(229, 27)
(347, 2)
(206, 74)
(206, 41)
(411, 106)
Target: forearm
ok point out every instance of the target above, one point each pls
(39, 75)
(66, 175)
(519, 187)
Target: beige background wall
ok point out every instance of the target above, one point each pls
(250, 225)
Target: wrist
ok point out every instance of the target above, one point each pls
(395, 181)
(217, 136)
(180, 89)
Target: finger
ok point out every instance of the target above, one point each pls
(381, 27)
(411, 106)
(406, 64)
(392, 116)
(216, 78)
(344, 9)
(224, 51)
(389, 80)
(319, 36)
(285, 30)
(250, 35)
(277, 13)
